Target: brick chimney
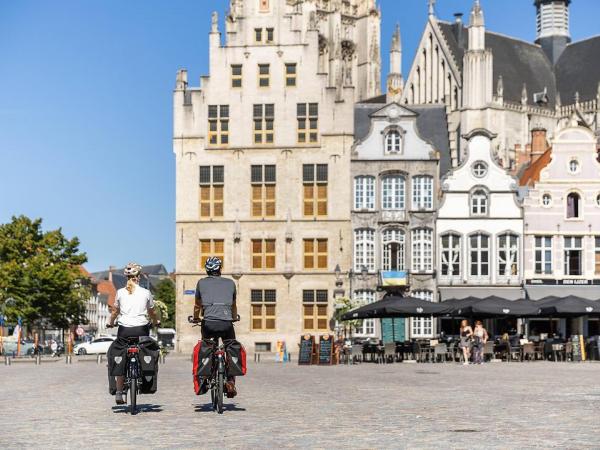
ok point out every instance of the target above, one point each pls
(538, 143)
(111, 269)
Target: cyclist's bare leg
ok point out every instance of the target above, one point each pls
(119, 394)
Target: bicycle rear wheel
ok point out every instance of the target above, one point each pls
(133, 398)
(220, 382)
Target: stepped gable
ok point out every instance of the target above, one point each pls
(517, 61)
(578, 70)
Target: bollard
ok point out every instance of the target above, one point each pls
(99, 359)
(38, 360)
(68, 359)
(163, 358)
(257, 357)
(7, 361)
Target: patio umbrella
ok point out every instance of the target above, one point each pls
(569, 306)
(395, 306)
(494, 306)
(455, 305)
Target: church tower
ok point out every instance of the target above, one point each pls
(553, 27)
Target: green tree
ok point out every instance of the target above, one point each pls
(165, 299)
(40, 271)
(342, 306)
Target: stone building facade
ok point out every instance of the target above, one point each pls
(479, 227)
(503, 84)
(562, 225)
(262, 150)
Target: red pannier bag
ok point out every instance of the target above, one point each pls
(202, 362)
(236, 358)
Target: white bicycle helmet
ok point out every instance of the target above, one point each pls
(132, 270)
(213, 265)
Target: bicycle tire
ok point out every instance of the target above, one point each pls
(133, 401)
(220, 382)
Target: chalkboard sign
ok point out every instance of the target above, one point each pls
(577, 354)
(307, 343)
(326, 350)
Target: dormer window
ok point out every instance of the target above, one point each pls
(393, 141)
(573, 206)
(479, 203)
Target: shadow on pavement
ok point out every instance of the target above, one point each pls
(208, 408)
(148, 407)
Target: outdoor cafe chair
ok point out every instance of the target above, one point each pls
(389, 352)
(440, 351)
(488, 350)
(356, 353)
(568, 351)
(558, 350)
(528, 352)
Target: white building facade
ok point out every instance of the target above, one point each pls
(262, 151)
(479, 227)
(562, 227)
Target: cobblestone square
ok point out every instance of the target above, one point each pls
(497, 405)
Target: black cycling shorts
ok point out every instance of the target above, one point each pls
(125, 332)
(214, 329)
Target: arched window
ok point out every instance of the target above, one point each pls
(422, 250)
(479, 203)
(393, 141)
(393, 241)
(422, 326)
(364, 192)
(392, 192)
(479, 255)
(422, 192)
(364, 249)
(367, 327)
(450, 245)
(508, 255)
(573, 205)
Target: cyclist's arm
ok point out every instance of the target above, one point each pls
(114, 314)
(115, 311)
(153, 316)
(198, 310)
(234, 312)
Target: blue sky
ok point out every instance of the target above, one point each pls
(86, 114)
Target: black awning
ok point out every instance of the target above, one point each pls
(396, 306)
(569, 306)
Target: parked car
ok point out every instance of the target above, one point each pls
(98, 345)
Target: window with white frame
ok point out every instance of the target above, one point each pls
(573, 206)
(508, 255)
(364, 192)
(479, 169)
(422, 326)
(393, 241)
(543, 255)
(479, 203)
(422, 250)
(422, 192)
(364, 249)
(367, 327)
(392, 192)
(450, 245)
(546, 200)
(573, 166)
(573, 255)
(479, 255)
(393, 140)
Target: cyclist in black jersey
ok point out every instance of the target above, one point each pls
(215, 302)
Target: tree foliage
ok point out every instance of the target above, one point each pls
(40, 271)
(165, 302)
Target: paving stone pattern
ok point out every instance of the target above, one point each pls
(499, 405)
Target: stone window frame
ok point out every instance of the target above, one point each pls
(543, 248)
(364, 244)
(386, 131)
(580, 209)
(485, 169)
(419, 251)
(550, 203)
(578, 169)
(421, 324)
(480, 249)
(517, 253)
(393, 235)
(455, 235)
(364, 192)
(475, 190)
(368, 296)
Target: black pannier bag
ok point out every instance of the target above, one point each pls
(149, 354)
(116, 357)
(236, 358)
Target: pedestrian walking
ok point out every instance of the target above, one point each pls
(480, 337)
(466, 334)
